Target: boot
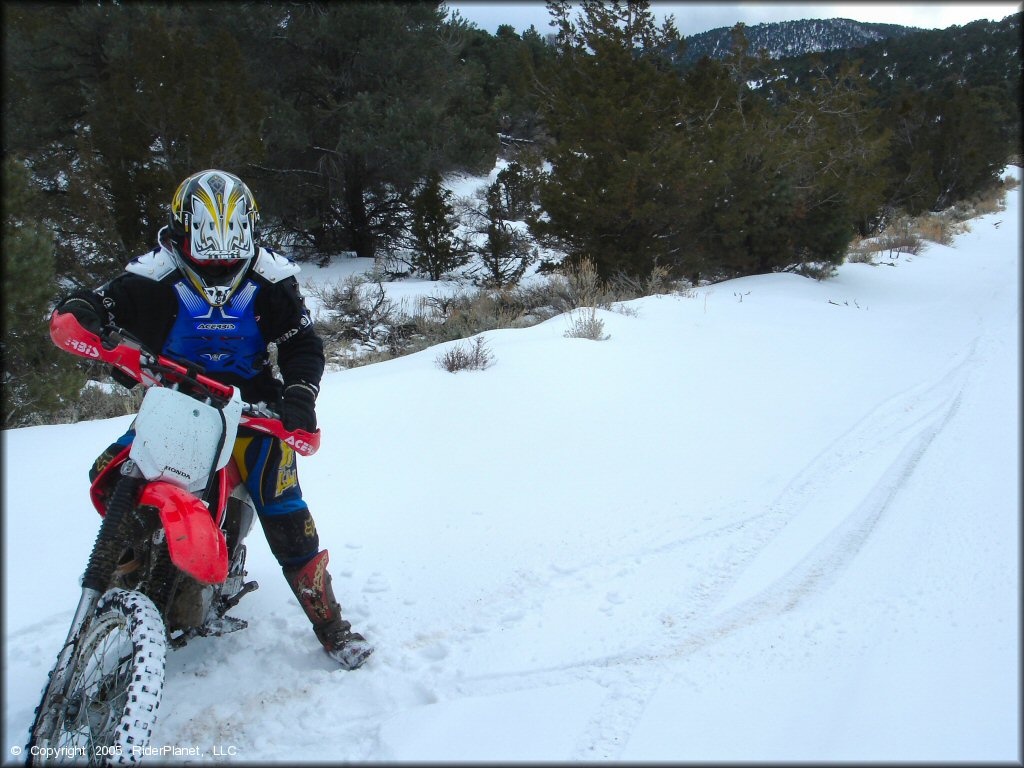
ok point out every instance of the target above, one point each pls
(311, 584)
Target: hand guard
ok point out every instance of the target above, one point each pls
(298, 407)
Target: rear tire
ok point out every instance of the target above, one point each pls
(114, 688)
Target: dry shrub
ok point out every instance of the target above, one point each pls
(901, 238)
(359, 323)
(585, 286)
(862, 251)
(101, 400)
(585, 324)
(938, 228)
(361, 326)
(472, 357)
(991, 203)
(624, 287)
(990, 200)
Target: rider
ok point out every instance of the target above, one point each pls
(210, 295)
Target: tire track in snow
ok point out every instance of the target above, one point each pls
(910, 420)
(815, 507)
(905, 424)
(822, 565)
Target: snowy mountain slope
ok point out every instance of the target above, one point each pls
(791, 38)
(774, 520)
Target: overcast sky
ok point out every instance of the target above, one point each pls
(692, 18)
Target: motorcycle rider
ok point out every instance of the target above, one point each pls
(210, 295)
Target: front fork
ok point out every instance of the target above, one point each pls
(98, 573)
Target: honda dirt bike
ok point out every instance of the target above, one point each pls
(169, 559)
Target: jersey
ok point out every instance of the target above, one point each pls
(157, 303)
(226, 339)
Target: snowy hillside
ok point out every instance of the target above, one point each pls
(791, 38)
(776, 519)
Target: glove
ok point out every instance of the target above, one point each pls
(84, 312)
(298, 407)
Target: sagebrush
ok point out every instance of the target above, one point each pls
(473, 356)
(585, 324)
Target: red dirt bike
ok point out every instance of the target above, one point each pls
(169, 559)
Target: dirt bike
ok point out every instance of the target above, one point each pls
(168, 562)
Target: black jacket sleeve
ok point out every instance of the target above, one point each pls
(143, 307)
(300, 351)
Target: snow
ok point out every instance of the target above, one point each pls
(771, 520)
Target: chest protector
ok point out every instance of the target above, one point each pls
(223, 339)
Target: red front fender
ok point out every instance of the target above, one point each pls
(195, 543)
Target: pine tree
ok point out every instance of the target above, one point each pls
(610, 104)
(435, 248)
(368, 98)
(504, 251)
(509, 65)
(947, 145)
(784, 176)
(515, 191)
(37, 377)
(116, 104)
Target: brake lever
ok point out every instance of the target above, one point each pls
(261, 410)
(116, 333)
(110, 337)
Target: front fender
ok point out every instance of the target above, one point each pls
(195, 543)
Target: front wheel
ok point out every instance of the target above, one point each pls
(109, 707)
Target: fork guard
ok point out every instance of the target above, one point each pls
(196, 545)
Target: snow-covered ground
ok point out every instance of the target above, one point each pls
(776, 519)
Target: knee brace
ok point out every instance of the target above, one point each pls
(291, 535)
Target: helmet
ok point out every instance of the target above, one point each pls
(212, 232)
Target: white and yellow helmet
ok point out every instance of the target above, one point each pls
(213, 230)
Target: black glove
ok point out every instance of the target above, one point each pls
(84, 312)
(298, 407)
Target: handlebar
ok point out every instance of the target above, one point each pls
(120, 349)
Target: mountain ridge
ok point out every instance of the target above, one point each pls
(784, 39)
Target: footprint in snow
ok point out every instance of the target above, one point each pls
(512, 617)
(376, 583)
(434, 652)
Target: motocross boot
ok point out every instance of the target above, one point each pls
(311, 584)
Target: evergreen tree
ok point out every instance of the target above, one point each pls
(784, 176)
(368, 98)
(515, 191)
(947, 146)
(505, 252)
(952, 99)
(611, 105)
(435, 248)
(37, 377)
(510, 64)
(137, 97)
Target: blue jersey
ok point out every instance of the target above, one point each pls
(223, 339)
(158, 303)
